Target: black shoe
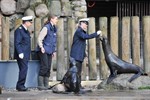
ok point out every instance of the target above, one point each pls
(22, 89)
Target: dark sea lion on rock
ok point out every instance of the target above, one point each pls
(117, 65)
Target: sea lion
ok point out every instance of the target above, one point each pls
(70, 81)
(117, 65)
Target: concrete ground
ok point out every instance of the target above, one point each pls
(95, 95)
(34, 94)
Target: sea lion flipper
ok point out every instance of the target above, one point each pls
(110, 78)
(134, 77)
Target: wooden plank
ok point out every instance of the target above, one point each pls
(114, 34)
(104, 72)
(146, 33)
(126, 39)
(92, 51)
(5, 38)
(135, 40)
(61, 66)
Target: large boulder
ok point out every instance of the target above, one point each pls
(59, 88)
(121, 83)
(55, 7)
(33, 2)
(66, 8)
(29, 12)
(8, 7)
(41, 10)
(22, 5)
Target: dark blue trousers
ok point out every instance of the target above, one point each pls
(23, 67)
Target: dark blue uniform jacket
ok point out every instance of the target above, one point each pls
(22, 43)
(79, 44)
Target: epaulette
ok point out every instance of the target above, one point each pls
(20, 27)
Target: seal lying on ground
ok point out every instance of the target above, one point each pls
(70, 82)
(71, 78)
(117, 65)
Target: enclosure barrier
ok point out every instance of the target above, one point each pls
(128, 37)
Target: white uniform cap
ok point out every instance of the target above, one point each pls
(84, 20)
(27, 18)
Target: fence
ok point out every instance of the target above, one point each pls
(129, 39)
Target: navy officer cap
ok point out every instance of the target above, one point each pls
(84, 20)
(27, 18)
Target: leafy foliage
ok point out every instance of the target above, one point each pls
(144, 87)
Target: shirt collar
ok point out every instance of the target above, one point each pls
(24, 27)
(52, 24)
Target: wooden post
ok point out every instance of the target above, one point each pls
(92, 51)
(146, 33)
(84, 73)
(114, 34)
(37, 25)
(126, 39)
(103, 66)
(61, 68)
(135, 40)
(5, 38)
(70, 30)
(18, 22)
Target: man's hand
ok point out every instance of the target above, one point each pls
(54, 54)
(99, 32)
(42, 50)
(21, 55)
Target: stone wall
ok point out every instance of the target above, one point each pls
(40, 8)
(15, 9)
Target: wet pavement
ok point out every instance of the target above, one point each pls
(94, 95)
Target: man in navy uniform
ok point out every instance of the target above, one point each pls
(79, 44)
(22, 46)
